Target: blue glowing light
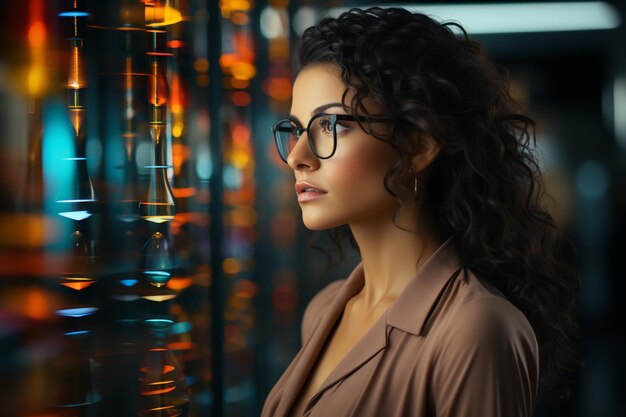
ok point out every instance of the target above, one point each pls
(77, 312)
(74, 13)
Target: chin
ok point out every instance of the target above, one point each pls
(316, 223)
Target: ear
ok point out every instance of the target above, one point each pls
(428, 150)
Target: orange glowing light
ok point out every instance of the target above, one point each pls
(177, 95)
(37, 34)
(78, 283)
(278, 88)
(76, 78)
(181, 346)
(241, 134)
(227, 60)
(201, 65)
(77, 117)
(241, 98)
(231, 266)
(159, 54)
(244, 46)
(166, 368)
(243, 217)
(158, 90)
(27, 230)
(240, 18)
(36, 304)
(184, 192)
(175, 44)
(180, 283)
(234, 83)
(157, 391)
(180, 154)
(246, 288)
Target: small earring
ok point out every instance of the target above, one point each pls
(415, 189)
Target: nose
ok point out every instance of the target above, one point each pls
(301, 156)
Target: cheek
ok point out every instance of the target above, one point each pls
(363, 169)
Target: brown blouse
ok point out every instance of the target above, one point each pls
(450, 345)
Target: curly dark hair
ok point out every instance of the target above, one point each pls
(485, 186)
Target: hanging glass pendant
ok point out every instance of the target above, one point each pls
(81, 191)
(158, 203)
(159, 259)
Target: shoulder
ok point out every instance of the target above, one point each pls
(317, 305)
(485, 361)
(485, 323)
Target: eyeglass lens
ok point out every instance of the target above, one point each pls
(322, 131)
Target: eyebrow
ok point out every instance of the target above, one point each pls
(319, 109)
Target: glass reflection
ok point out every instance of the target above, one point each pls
(163, 387)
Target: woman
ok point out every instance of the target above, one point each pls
(404, 136)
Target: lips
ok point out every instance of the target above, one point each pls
(305, 187)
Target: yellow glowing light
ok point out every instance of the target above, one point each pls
(36, 80)
(159, 298)
(162, 16)
(158, 219)
(240, 159)
(243, 70)
(177, 129)
(231, 266)
(227, 7)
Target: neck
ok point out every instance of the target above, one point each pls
(391, 256)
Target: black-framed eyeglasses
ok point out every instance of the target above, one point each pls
(321, 132)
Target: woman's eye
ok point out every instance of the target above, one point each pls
(326, 125)
(340, 128)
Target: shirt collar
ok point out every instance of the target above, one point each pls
(411, 309)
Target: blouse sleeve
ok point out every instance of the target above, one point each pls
(487, 363)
